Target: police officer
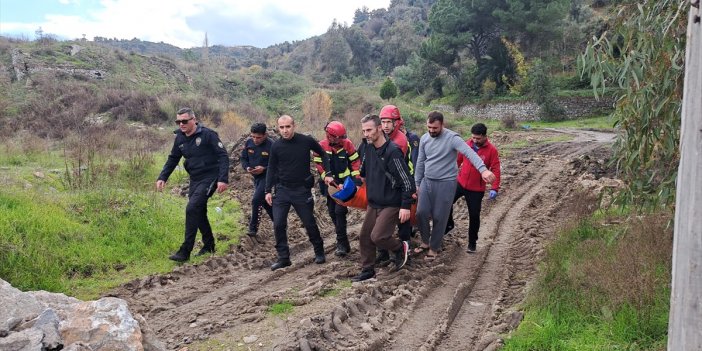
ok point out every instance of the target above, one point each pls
(207, 163)
(344, 162)
(254, 160)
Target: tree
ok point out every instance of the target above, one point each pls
(417, 75)
(388, 90)
(535, 23)
(361, 15)
(360, 47)
(335, 53)
(643, 54)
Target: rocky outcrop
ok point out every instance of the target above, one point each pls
(574, 107)
(41, 320)
(24, 66)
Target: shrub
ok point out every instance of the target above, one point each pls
(388, 90)
(487, 89)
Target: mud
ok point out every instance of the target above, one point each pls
(460, 301)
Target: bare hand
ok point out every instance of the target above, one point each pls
(257, 170)
(269, 199)
(221, 187)
(404, 215)
(414, 196)
(328, 180)
(160, 184)
(488, 176)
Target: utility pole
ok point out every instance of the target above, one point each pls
(685, 322)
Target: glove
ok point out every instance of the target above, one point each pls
(493, 194)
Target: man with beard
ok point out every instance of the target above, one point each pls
(389, 190)
(435, 176)
(471, 186)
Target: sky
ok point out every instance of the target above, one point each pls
(182, 23)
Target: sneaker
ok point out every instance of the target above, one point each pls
(179, 257)
(205, 250)
(282, 263)
(401, 255)
(365, 274)
(320, 258)
(471, 248)
(383, 257)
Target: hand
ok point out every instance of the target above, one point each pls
(493, 194)
(269, 199)
(488, 176)
(414, 196)
(221, 187)
(328, 180)
(258, 170)
(404, 215)
(160, 184)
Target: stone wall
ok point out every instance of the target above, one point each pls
(575, 107)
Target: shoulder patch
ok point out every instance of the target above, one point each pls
(198, 141)
(220, 145)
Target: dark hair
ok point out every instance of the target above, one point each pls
(478, 129)
(435, 116)
(374, 118)
(258, 128)
(184, 110)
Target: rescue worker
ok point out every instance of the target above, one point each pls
(344, 162)
(207, 164)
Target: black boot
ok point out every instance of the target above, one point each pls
(365, 274)
(281, 263)
(382, 258)
(205, 250)
(179, 256)
(342, 248)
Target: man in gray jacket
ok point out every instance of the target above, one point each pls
(435, 176)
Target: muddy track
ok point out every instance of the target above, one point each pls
(458, 302)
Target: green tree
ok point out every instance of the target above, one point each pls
(335, 53)
(361, 50)
(416, 76)
(535, 23)
(643, 54)
(388, 90)
(402, 39)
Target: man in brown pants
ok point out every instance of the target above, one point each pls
(389, 187)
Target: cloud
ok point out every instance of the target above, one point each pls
(184, 22)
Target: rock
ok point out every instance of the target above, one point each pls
(250, 339)
(25, 340)
(14, 304)
(514, 319)
(366, 327)
(39, 175)
(105, 324)
(48, 324)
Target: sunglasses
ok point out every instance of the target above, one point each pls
(182, 121)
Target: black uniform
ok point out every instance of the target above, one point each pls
(207, 163)
(257, 155)
(289, 172)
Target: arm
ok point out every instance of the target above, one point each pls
(316, 148)
(318, 163)
(354, 159)
(400, 171)
(494, 166)
(171, 162)
(419, 166)
(271, 175)
(244, 159)
(459, 145)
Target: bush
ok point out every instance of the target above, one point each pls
(388, 90)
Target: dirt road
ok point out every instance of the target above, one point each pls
(460, 301)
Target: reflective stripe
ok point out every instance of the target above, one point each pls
(344, 174)
(317, 159)
(353, 157)
(323, 175)
(356, 173)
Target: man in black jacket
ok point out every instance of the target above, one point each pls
(289, 172)
(389, 187)
(254, 160)
(207, 163)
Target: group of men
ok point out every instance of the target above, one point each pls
(398, 169)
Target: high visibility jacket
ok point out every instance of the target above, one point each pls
(343, 160)
(400, 139)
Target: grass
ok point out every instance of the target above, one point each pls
(336, 290)
(85, 241)
(281, 308)
(601, 288)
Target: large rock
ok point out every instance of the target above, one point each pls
(41, 320)
(105, 324)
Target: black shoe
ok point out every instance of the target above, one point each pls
(342, 249)
(179, 257)
(401, 255)
(365, 274)
(205, 250)
(282, 263)
(471, 248)
(382, 257)
(252, 233)
(319, 259)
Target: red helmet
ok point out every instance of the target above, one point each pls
(335, 129)
(390, 111)
(393, 113)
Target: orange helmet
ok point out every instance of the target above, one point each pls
(335, 129)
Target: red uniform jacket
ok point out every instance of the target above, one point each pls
(343, 159)
(469, 178)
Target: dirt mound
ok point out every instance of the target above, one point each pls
(460, 301)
